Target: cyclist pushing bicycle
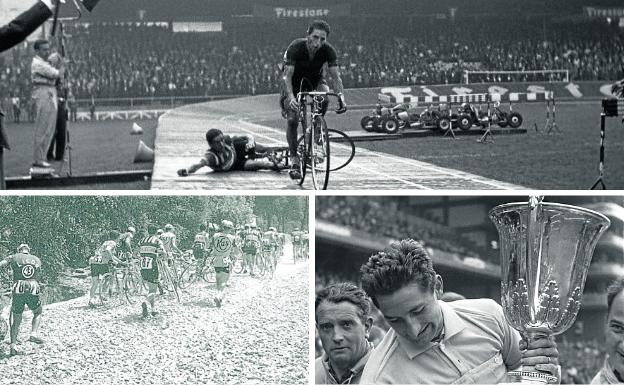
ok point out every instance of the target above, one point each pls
(26, 292)
(303, 72)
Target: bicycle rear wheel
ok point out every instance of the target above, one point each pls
(237, 267)
(209, 275)
(319, 153)
(168, 281)
(188, 276)
(132, 287)
(342, 149)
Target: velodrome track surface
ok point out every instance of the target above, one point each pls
(180, 142)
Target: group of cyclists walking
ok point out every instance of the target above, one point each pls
(221, 247)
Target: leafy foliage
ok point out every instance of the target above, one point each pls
(65, 230)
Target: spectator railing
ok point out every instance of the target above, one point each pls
(168, 102)
(558, 75)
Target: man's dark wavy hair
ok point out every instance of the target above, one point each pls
(319, 24)
(613, 290)
(213, 133)
(345, 291)
(399, 265)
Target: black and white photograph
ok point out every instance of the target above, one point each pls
(313, 95)
(469, 289)
(154, 289)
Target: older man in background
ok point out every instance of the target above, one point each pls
(612, 371)
(344, 323)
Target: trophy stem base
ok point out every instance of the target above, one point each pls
(532, 378)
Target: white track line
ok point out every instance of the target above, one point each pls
(422, 165)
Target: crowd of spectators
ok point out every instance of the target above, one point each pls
(112, 61)
(383, 217)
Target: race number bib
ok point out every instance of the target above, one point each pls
(97, 259)
(223, 244)
(148, 249)
(147, 263)
(28, 271)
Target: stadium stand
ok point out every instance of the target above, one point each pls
(150, 61)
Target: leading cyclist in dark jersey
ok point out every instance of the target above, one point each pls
(26, 270)
(304, 62)
(230, 153)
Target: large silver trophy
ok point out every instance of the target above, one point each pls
(546, 249)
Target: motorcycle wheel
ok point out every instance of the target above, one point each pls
(514, 119)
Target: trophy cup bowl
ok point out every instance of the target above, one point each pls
(546, 250)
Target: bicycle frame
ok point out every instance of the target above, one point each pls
(315, 134)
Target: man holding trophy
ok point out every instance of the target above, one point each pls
(546, 250)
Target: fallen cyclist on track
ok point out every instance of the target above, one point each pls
(236, 153)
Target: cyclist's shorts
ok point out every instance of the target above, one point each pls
(150, 275)
(20, 300)
(222, 270)
(250, 249)
(99, 269)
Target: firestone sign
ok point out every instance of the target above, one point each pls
(277, 12)
(305, 12)
(604, 12)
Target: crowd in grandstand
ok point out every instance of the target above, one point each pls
(152, 61)
(367, 216)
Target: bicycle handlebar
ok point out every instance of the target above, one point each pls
(341, 106)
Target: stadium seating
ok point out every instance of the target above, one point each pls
(112, 61)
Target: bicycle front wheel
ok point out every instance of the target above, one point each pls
(319, 153)
(342, 149)
(302, 153)
(131, 287)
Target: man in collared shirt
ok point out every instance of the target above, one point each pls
(432, 342)
(612, 371)
(44, 77)
(343, 321)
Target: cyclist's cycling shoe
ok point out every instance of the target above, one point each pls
(154, 313)
(35, 339)
(294, 172)
(183, 172)
(143, 310)
(15, 352)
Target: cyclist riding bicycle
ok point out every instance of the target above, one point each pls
(297, 243)
(304, 61)
(231, 153)
(268, 247)
(100, 264)
(150, 249)
(124, 244)
(26, 290)
(201, 244)
(223, 247)
(251, 246)
(170, 242)
(305, 243)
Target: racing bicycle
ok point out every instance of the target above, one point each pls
(191, 273)
(168, 281)
(122, 281)
(313, 147)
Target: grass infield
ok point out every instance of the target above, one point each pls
(567, 160)
(96, 146)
